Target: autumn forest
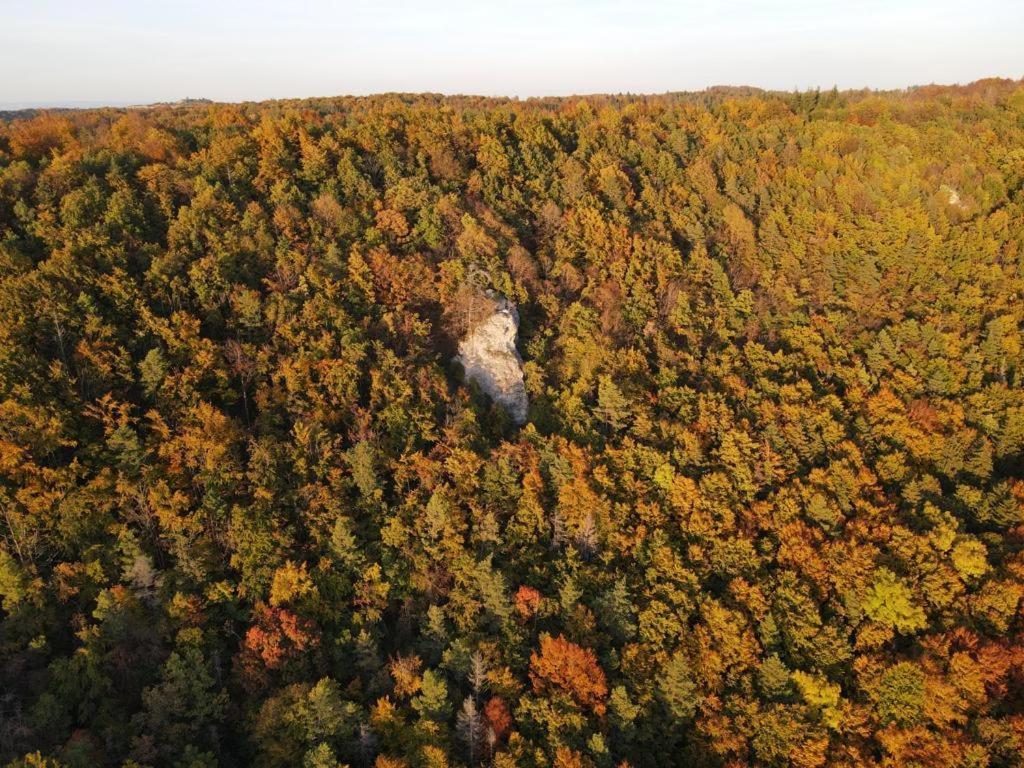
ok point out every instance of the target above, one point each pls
(766, 506)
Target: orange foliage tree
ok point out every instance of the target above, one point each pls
(563, 665)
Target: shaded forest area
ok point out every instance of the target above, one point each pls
(767, 509)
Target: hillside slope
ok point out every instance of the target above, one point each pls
(767, 506)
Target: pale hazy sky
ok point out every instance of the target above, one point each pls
(138, 51)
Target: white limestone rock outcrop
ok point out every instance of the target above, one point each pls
(952, 197)
(489, 356)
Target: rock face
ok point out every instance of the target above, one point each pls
(489, 356)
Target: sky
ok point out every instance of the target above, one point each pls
(91, 52)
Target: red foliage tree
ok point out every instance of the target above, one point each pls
(498, 718)
(276, 636)
(527, 602)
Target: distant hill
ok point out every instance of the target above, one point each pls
(6, 115)
(26, 113)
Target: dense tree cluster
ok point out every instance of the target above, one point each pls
(768, 507)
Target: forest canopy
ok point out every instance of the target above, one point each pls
(767, 507)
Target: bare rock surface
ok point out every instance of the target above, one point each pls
(952, 196)
(489, 356)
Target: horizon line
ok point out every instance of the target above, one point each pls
(87, 104)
